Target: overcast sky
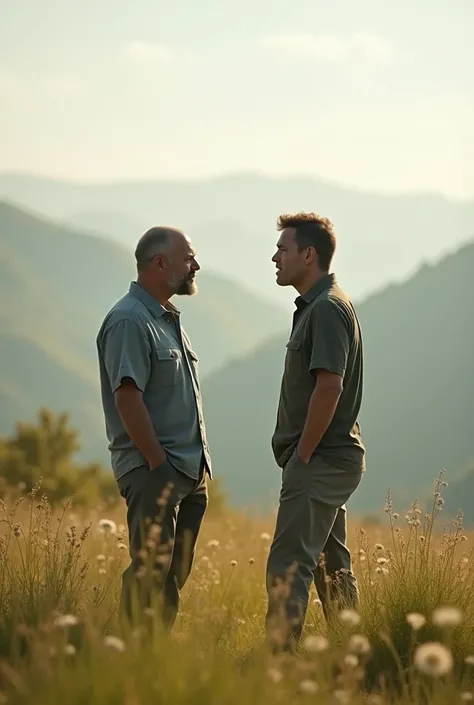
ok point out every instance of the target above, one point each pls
(373, 93)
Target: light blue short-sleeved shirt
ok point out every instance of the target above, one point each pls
(141, 339)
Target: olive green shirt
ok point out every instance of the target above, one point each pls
(143, 340)
(325, 335)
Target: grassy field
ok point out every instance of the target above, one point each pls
(412, 640)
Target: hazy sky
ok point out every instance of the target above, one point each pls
(373, 93)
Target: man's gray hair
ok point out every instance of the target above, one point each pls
(155, 241)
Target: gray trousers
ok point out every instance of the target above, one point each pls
(310, 526)
(165, 509)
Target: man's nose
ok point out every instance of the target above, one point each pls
(196, 265)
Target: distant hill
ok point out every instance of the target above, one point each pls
(55, 287)
(418, 408)
(231, 219)
(459, 494)
(56, 284)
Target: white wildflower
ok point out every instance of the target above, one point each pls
(416, 620)
(114, 643)
(467, 697)
(309, 687)
(213, 543)
(107, 526)
(349, 617)
(351, 660)
(70, 649)
(359, 644)
(275, 675)
(265, 536)
(447, 617)
(433, 659)
(65, 620)
(315, 644)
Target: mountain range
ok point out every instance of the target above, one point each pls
(57, 284)
(418, 403)
(231, 220)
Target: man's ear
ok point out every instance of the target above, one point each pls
(311, 255)
(159, 261)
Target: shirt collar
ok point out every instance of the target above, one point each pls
(324, 283)
(151, 303)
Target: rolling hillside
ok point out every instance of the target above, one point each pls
(419, 345)
(232, 222)
(418, 408)
(57, 284)
(460, 493)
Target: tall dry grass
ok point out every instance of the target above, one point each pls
(61, 641)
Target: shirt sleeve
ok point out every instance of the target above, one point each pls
(330, 339)
(126, 353)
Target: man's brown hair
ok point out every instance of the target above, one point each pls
(312, 230)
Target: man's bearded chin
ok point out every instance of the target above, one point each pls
(186, 287)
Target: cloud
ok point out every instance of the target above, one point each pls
(327, 47)
(148, 52)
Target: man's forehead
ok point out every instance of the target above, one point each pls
(190, 250)
(183, 243)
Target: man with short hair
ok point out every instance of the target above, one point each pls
(317, 440)
(154, 422)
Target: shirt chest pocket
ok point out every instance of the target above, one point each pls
(168, 368)
(295, 359)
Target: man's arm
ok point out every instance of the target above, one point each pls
(330, 349)
(136, 419)
(126, 354)
(321, 408)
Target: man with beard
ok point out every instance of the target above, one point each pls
(317, 440)
(154, 423)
